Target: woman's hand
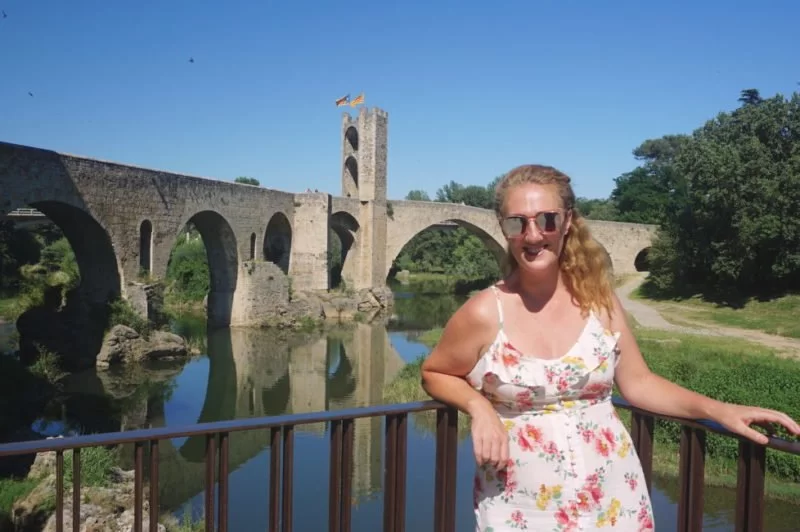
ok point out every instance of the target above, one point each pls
(489, 438)
(738, 418)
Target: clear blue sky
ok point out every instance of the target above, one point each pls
(472, 89)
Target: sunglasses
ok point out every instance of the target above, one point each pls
(546, 222)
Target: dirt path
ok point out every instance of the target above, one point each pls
(648, 316)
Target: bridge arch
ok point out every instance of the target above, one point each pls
(278, 241)
(642, 260)
(73, 318)
(491, 242)
(222, 254)
(346, 228)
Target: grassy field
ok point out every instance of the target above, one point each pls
(727, 369)
(779, 316)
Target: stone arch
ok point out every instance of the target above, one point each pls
(278, 241)
(223, 264)
(350, 174)
(497, 248)
(72, 324)
(642, 260)
(346, 228)
(351, 135)
(146, 246)
(252, 254)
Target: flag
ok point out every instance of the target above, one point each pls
(344, 100)
(357, 100)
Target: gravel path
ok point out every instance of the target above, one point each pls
(648, 316)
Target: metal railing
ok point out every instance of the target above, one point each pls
(749, 495)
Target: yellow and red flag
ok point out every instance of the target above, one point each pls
(357, 100)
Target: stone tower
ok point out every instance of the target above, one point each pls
(364, 155)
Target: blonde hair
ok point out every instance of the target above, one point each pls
(584, 263)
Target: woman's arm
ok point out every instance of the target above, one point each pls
(644, 389)
(465, 337)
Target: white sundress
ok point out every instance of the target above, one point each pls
(572, 465)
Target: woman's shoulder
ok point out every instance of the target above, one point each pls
(480, 312)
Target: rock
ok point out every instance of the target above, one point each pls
(106, 508)
(124, 345)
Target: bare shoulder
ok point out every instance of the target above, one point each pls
(469, 332)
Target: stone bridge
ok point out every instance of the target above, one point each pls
(123, 221)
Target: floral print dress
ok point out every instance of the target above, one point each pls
(572, 464)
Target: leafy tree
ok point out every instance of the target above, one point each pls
(750, 97)
(247, 180)
(417, 195)
(731, 230)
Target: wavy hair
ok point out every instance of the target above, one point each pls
(584, 263)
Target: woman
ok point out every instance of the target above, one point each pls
(532, 361)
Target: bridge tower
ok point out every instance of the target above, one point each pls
(364, 157)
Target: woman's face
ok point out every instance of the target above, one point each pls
(534, 223)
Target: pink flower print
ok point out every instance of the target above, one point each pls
(551, 448)
(510, 359)
(563, 385)
(601, 446)
(563, 518)
(523, 442)
(524, 400)
(608, 434)
(517, 517)
(533, 433)
(550, 374)
(588, 435)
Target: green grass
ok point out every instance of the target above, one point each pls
(724, 368)
(777, 316)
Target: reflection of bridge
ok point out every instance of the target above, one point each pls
(252, 374)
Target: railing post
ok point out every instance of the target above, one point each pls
(394, 492)
(445, 488)
(750, 487)
(692, 477)
(642, 428)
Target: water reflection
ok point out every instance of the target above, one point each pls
(252, 373)
(255, 373)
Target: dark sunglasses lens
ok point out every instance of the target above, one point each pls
(548, 221)
(513, 225)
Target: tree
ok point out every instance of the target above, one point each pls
(750, 97)
(417, 195)
(731, 228)
(244, 180)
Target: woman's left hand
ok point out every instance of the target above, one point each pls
(738, 418)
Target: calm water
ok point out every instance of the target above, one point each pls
(247, 372)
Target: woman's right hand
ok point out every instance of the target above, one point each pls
(489, 438)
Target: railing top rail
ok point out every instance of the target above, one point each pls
(233, 425)
(236, 425)
(779, 444)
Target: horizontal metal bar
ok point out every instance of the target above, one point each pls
(234, 425)
(238, 425)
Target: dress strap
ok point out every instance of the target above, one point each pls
(499, 306)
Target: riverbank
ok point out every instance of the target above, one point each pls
(718, 367)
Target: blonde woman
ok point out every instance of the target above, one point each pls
(533, 359)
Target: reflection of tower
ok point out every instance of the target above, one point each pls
(364, 177)
(308, 374)
(373, 361)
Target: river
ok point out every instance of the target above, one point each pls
(250, 372)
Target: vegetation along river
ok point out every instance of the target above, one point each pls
(243, 373)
